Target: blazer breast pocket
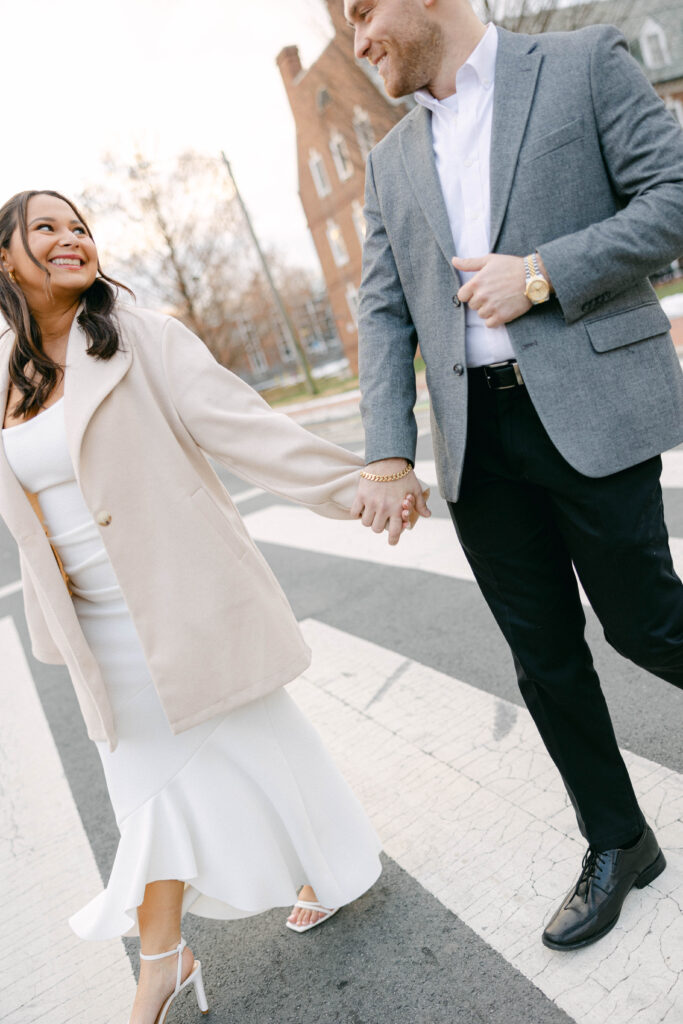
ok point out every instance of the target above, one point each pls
(550, 142)
(211, 513)
(627, 327)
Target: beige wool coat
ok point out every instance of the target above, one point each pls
(215, 627)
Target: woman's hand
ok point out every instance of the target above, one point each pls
(409, 513)
(380, 504)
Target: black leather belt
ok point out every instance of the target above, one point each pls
(501, 376)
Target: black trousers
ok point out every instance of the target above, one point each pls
(524, 518)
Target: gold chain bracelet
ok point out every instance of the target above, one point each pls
(386, 479)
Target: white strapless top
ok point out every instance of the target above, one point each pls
(39, 457)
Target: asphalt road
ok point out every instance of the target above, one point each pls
(397, 955)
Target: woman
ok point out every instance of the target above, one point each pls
(139, 576)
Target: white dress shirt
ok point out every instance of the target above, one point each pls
(461, 135)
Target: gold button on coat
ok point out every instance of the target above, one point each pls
(103, 518)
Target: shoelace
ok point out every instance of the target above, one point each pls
(590, 865)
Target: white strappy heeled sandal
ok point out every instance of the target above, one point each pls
(193, 978)
(318, 908)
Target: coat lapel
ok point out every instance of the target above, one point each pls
(517, 67)
(87, 383)
(15, 507)
(417, 151)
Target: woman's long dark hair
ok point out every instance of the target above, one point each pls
(96, 318)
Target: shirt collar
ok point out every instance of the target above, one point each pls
(482, 60)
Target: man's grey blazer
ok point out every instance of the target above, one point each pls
(586, 168)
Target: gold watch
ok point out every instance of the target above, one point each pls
(537, 287)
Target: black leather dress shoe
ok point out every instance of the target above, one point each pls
(592, 907)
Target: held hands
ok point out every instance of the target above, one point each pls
(496, 291)
(395, 506)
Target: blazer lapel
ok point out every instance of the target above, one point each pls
(517, 68)
(87, 382)
(417, 151)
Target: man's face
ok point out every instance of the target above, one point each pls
(399, 38)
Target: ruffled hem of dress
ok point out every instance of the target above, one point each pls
(243, 870)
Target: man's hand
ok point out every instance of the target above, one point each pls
(496, 291)
(378, 504)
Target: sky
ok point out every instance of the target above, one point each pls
(159, 77)
(88, 77)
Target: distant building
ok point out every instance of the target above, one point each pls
(653, 28)
(257, 348)
(340, 110)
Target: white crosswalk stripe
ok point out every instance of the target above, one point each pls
(672, 469)
(457, 783)
(431, 547)
(47, 871)
(465, 798)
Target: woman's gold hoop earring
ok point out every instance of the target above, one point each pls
(12, 277)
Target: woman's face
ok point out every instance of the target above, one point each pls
(60, 243)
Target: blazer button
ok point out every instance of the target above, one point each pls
(459, 369)
(103, 518)
(456, 301)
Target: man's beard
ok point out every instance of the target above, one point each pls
(413, 63)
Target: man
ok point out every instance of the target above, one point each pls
(513, 218)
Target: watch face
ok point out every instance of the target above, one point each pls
(537, 289)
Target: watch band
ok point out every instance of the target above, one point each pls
(534, 262)
(537, 287)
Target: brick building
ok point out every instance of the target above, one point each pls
(340, 110)
(256, 346)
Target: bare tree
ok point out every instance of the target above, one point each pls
(539, 15)
(177, 237)
(173, 231)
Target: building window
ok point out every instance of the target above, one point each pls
(319, 174)
(365, 134)
(352, 302)
(252, 345)
(340, 155)
(653, 48)
(287, 353)
(654, 45)
(358, 220)
(337, 244)
(322, 99)
(676, 108)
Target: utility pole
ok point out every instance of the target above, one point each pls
(290, 331)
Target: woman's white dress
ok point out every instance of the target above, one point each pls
(244, 808)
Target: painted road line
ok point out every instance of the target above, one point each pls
(10, 588)
(47, 871)
(672, 475)
(253, 492)
(431, 547)
(466, 800)
(672, 469)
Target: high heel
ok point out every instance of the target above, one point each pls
(193, 978)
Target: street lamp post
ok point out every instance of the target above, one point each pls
(290, 331)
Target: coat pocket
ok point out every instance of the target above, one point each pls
(627, 327)
(539, 146)
(210, 511)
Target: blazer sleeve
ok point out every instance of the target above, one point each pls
(230, 422)
(387, 342)
(642, 147)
